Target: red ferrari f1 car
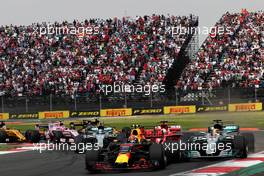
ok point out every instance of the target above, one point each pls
(170, 136)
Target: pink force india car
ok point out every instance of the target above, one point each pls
(55, 132)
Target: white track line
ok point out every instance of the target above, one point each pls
(24, 148)
(230, 163)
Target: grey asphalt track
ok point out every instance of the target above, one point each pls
(61, 163)
(259, 174)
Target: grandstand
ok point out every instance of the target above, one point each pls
(128, 50)
(55, 71)
(233, 60)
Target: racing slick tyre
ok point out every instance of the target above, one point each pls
(91, 157)
(106, 142)
(157, 154)
(78, 140)
(127, 131)
(172, 154)
(32, 136)
(250, 140)
(3, 136)
(185, 150)
(57, 136)
(240, 147)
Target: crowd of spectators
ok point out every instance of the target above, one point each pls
(234, 59)
(129, 50)
(125, 50)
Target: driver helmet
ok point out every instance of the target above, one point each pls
(215, 132)
(217, 128)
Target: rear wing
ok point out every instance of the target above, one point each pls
(77, 124)
(231, 128)
(218, 122)
(226, 128)
(84, 123)
(42, 126)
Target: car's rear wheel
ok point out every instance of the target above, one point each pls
(250, 140)
(240, 147)
(78, 140)
(127, 131)
(172, 151)
(106, 142)
(157, 154)
(3, 136)
(32, 136)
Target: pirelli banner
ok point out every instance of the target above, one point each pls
(147, 111)
(4, 116)
(245, 107)
(24, 116)
(179, 109)
(54, 114)
(77, 114)
(116, 112)
(211, 108)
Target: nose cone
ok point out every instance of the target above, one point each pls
(122, 158)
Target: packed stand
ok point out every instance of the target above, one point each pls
(233, 59)
(121, 51)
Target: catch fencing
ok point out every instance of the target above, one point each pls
(175, 101)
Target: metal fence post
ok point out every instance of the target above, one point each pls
(2, 102)
(229, 95)
(100, 102)
(202, 97)
(125, 100)
(176, 96)
(26, 104)
(151, 101)
(50, 102)
(75, 103)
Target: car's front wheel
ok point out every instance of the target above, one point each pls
(91, 157)
(157, 154)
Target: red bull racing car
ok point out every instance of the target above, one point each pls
(136, 153)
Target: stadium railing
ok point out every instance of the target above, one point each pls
(215, 97)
